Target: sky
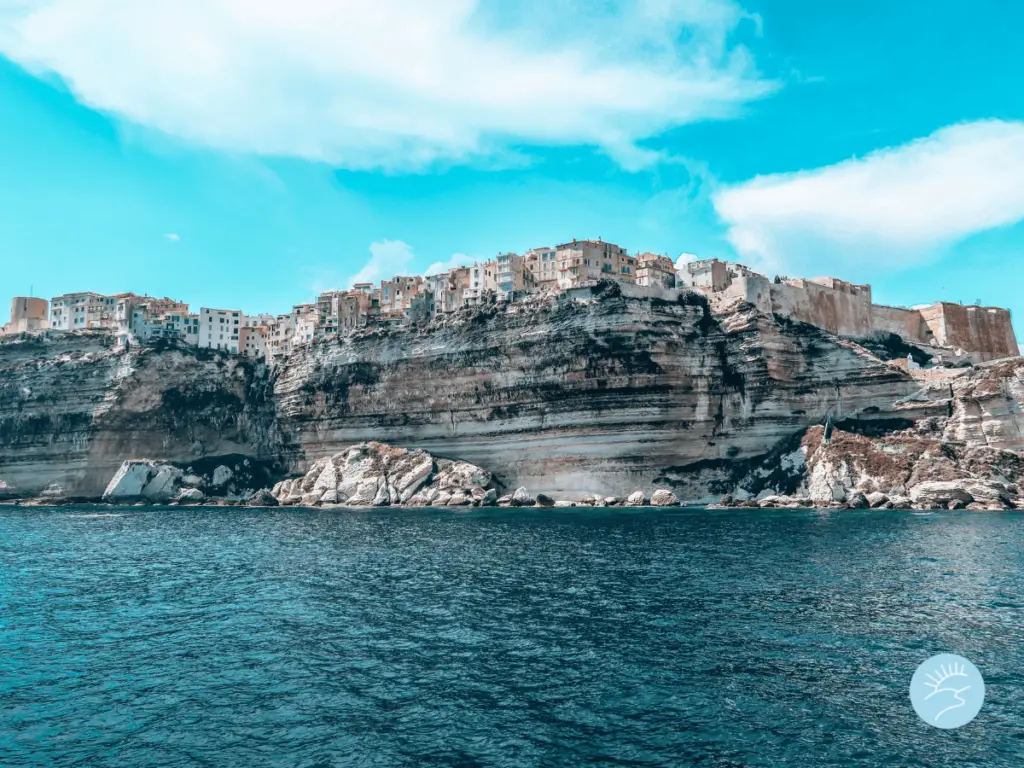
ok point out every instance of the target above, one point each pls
(252, 153)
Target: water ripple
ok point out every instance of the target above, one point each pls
(400, 638)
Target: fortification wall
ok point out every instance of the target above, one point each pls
(908, 323)
(753, 288)
(986, 331)
(846, 312)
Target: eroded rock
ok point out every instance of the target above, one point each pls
(376, 474)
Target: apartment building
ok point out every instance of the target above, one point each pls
(542, 264)
(253, 342)
(583, 262)
(655, 270)
(512, 275)
(219, 328)
(76, 311)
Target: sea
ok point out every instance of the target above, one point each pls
(558, 637)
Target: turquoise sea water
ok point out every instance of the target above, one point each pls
(236, 637)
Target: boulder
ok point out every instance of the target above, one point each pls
(636, 499)
(327, 479)
(460, 499)
(663, 498)
(857, 500)
(311, 499)
(190, 496)
(163, 486)
(221, 476)
(505, 500)
(191, 480)
(991, 492)
(876, 500)
(330, 497)
(261, 498)
(592, 500)
(410, 472)
(938, 493)
(490, 498)
(383, 496)
(522, 498)
(129, 480)
(611, 501)
(52, 491)
(461, 474)
(543, 500)
(956, 504)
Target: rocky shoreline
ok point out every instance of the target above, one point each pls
(835, 470)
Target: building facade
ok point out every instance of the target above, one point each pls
(584, 262)
(27, 314)
(219, 328)
(655, 270)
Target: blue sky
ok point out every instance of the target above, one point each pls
(250, 154)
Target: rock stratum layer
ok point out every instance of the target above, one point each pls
(591, 392)
(72, 409)
(568, 396)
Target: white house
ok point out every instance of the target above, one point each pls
(218, 328)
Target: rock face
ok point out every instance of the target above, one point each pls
(73, 408)
(596, 391)
(913, 467)
(374, 474)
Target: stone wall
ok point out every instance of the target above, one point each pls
(907, 323)
(986, 331)
(839, 307)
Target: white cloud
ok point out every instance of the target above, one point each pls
(387, 259)
(174, 238)
(457, 260)
(892, 208)
(395, 83)
(684, 259)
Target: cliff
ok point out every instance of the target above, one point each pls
(585, 391)
(591, 391)
(72, 408)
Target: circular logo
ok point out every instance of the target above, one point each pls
(947, 691)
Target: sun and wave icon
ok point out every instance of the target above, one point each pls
(936, 682)
(947, 691)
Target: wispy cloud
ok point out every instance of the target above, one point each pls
(892, 208)
(396, 84)
(173, 237)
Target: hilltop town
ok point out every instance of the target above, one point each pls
(943, 331)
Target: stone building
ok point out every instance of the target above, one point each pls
(583, 262)
(254, 342)
(27, 314)
(542, 263)
(655, 270)
(512, 275)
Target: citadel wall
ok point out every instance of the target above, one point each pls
(846, 309)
